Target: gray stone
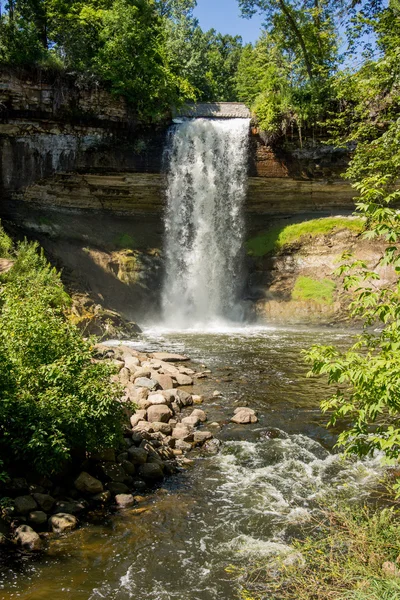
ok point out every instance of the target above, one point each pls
(117, 488)
(159, 413)
(139, 484)
(24, 504)
(212, 446)
(28, 539)
(37, 517)
(217, 394)
(150, 384)
(151, 471)
(45, 501)
(123, 456)
(137, 456)
(245, 409)
(87, 484)
(197, 399)
(62, 522)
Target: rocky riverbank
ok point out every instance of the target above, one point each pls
(166, 425)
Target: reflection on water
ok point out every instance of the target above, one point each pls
(247, 501)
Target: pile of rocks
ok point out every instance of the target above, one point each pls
(164, 427)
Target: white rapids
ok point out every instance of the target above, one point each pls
(204, 224)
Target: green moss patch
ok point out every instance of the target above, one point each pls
(318, 290)
(277, 237)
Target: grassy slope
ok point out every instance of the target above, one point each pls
(277, 237)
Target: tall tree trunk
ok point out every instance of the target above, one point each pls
(297, 32)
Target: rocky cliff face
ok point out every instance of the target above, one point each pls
(80, 174)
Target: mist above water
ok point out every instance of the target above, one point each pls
(204, 223)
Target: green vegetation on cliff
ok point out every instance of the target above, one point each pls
(317, 290)
(277, 237)
(55, 400)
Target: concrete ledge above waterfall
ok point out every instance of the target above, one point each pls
(216, 110)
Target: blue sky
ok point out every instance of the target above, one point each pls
(223, 15)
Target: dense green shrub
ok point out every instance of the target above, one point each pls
(54, 398)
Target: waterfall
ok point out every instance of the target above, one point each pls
(204, 224)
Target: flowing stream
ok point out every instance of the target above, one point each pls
(204, 226)
(247, 501)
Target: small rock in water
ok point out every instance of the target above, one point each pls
(62, 522)
(37, 517)
(124, 500)
(244, 415)
(28, 539)
(200, 414)
(216, 394)
(197, 399)
(183, 379)
(192, 421)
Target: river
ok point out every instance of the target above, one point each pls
(246, 501)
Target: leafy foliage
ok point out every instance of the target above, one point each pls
(55, 399)
(366, 378)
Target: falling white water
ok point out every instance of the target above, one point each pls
(204, 224)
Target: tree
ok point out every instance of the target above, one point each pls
(367, 376)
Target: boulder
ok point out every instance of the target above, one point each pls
(113, 472)
(24, 504)
(28, 539)
(157, 399)
(124, 500)
(132, 363)
(146, 382)
(200, 437)
(87, 484)
(128, 467)
(143, 372)
(124, 376)
(37, 517)
(117, 488)
(62, 522)
(165, 381)
(185, 399)
(244, 416)
(182, 432)
(197, 399)
(183, 379)
(164, 428)
(191, 421)
(143, 403)
(169, 357)
(183, 446)
(151, 471)
(45, 501)
(140, 415)
(200, 414)
(137, 456)
(245, 409)
(159, 413)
